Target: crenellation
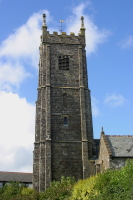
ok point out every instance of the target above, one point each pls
(63, 33)
(63, 38)
(72, 34)
(55, 33)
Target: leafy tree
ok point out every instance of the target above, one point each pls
(10, 191)
(109, 185)
(59, 190)
(116, 184)
(17, 191)
(84, 189)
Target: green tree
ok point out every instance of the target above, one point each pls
(11, 191)
(109, 185)
(59, 190)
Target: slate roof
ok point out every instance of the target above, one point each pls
(15, 176)
(121, 145)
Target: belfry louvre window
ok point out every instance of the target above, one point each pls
(63, 62)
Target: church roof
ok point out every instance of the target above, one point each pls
(121, 145)
(15, 176)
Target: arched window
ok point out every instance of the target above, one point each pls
(65, 121)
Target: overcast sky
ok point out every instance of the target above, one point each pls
(109, 47)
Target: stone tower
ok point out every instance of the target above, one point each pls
(63, 133)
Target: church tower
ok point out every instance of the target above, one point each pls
(64, 132)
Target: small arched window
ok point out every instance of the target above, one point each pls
(65, 121)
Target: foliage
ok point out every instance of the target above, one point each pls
(10, 191)
(15, 191)
(84, 189)
(59, 190)
(111, 184)
(29, 193)
(116, 184)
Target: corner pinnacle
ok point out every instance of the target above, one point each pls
(82, 22)
(102, 130)
(44, 19)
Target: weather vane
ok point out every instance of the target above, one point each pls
(61, 27)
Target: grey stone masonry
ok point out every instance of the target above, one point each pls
(64, 132)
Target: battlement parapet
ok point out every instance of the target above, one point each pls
(55, 37)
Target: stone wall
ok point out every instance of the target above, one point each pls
(105, 153)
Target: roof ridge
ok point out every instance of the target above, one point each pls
(120, 135)
(15, 172)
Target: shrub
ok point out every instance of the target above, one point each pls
(109, 185)
(11, 191)
(29, 193)
(84, 189)
(59, 190)
(116, 184)
(15, 191)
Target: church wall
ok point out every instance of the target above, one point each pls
(104, 157)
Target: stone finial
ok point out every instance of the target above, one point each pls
(44, 19)
(102, 130)
(82, 22)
